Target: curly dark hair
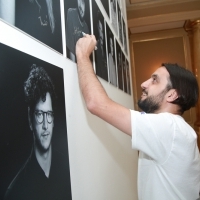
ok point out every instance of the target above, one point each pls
(185, 84)
(36, 86)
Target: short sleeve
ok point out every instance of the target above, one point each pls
(153, 134)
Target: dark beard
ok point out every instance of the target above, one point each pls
(149, 105)
(152, 103)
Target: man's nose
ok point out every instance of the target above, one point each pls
(45, 123)
(145, 84)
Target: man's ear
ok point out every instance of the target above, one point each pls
(29, 119)
(172, 95)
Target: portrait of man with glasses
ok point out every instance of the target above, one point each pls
(43, 176)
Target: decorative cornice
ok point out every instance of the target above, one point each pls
(165, 18)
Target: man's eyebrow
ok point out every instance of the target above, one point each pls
(155, 76)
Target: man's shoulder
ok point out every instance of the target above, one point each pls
(17, 183)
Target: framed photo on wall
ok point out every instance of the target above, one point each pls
(124, 35)
(77, 22)
(124, 73)
(113, 13)
(128, 77)
(119, 65)
(111, 56)
(38, 18)
(34, 162)
(119, 23)
(101, 66)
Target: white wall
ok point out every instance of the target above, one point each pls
(102, 164)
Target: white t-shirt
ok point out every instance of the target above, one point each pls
(169, 160)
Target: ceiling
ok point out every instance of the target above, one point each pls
(153, 15)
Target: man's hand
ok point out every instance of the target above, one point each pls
(85, 46)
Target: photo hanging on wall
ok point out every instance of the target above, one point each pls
(105, 4)
(124, 72)
(124, 35)
(77, 23)
(113, 12)
(111, 56)
(128, 78)
(99, 32)
(40, 19)
(119, 23)
(120, 3)
(119, 65)
(33, 127)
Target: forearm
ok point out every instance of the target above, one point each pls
(91, 88)
(96, 98)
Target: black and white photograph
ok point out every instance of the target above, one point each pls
(77, 23)
(111, 56)
(113, 12)
(34, 162)
(120, 3)
(124, 35)
(101, 66)
(124, 72)
(128, 78)
(119, 23)
(119, 66)
(106, 6)
(38, 18)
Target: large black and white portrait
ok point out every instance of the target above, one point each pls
(99, 32)
(119, 65)
(124, 73)
(124, 35)
(40, 19)
(113, 12)
(106, 6)
(77, 22)
(119, 23)
(111, 56)
(128, 77)
(34, 160)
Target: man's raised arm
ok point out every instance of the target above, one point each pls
(97, 101)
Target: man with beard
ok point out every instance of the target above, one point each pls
(75, 27)
(169, 160)
(44, 174)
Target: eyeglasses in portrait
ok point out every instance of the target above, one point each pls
(34, 162)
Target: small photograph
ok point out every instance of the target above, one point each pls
(128, 78)
(77, 23)
(111, 56)
(119, 23)
(119, 66)
(120, 3)
(124, 72)
(124, 36)
(40, 19)
(113, 12)
(99, 32)
(34, 161)
(105, 4)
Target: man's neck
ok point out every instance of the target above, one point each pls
(44, 160)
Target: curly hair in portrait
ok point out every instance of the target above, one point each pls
(188, 90)
(37, 86)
